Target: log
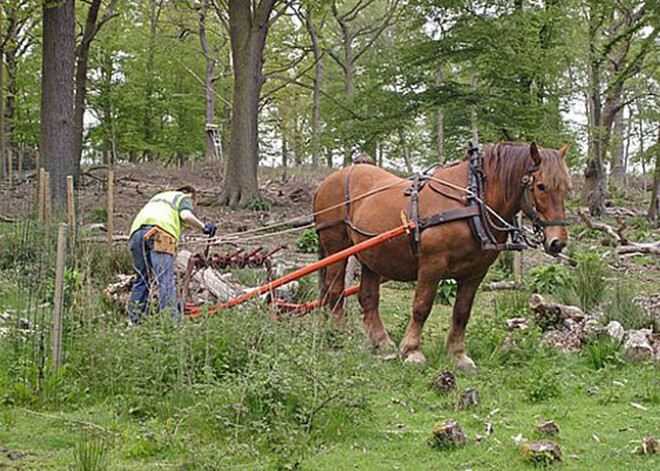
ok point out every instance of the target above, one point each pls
(616, 234)
(208, 278)
(553, 313)
(626, 247)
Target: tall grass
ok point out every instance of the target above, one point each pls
(621, 306)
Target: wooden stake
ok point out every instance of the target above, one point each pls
(518, 261)
(48, 207)
(72, 210)
(58, 304)
(41, 192)
(111, 205)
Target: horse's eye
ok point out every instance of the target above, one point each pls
(541, 186)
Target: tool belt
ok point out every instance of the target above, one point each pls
(163, 242)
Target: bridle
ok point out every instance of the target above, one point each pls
(529, 208)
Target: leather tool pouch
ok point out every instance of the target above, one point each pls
(164, 243)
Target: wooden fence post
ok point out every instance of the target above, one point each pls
(111, 205)
(518, 261)
(41, 192)
(48, 207)
(58, 303)
(71, 209)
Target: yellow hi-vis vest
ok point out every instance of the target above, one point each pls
(163, 211)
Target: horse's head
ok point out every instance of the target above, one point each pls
(546, 184)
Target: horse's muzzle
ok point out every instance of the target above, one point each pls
(555, 246)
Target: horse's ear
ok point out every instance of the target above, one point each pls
(564, 150)
(534, 153)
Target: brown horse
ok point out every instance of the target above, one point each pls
(518, 177)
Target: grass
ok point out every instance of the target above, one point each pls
(240, 391)
(294, 394)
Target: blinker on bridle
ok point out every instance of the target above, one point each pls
(530, 210)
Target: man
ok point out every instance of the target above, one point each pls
(155, 233)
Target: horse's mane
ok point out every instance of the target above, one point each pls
(507, 162)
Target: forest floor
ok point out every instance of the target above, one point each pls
(240, 391)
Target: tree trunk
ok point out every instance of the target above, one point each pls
(81, 78)
(107, 70)
(473, 118)
(439, 119)
(209, 142)
(155, 7)
(595, 186)
(57, 139)
(626, 153)
(11, 70)
(654, 207)
(318, 81)
(3, 151)
(350, 91)
(617, 150)
(248, 33)
(285, 155)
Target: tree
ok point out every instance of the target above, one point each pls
(209, 92)
(318, 82)
(612, 29)
(248, 29)
(57, 135)
(351, 32)
(92, 27)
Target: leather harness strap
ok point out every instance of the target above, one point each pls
(447, 216)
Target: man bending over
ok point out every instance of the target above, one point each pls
(153, 240)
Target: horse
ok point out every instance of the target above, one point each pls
(518, 177)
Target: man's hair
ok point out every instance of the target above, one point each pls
(188, 189)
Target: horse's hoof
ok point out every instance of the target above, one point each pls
(466, 365)
(385, 345)
(415, 357)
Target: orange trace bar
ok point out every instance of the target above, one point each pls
(334, 258)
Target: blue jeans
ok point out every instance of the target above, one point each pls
(150, 265)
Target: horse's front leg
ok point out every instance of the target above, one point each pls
(369, 299)
(460, 317)
(422, 305)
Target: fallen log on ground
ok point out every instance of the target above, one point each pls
(626, 247)
(553, 313)
(216, 284)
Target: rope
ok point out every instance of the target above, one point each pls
(236, 235)
(507, 227)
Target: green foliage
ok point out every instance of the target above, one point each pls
(588, 280)
(547, 279)
(99, 214)
(308, 242)
(258, 205)
(602, 352)
(446, 292)
(91, 454)
(511, 304)
(542, 386)
(72, 284)
(622, 307)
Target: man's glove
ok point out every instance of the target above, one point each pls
(209, 229)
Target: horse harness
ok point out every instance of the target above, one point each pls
(475, 210)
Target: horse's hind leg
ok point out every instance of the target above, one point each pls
(459, 320)
(333, 284)
(369, 298)
(422, 305)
